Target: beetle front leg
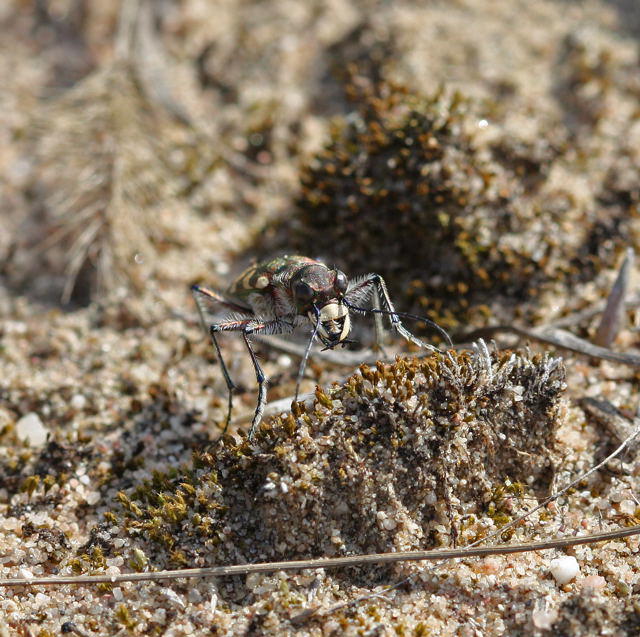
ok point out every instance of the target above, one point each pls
(378, 324)
(385, 300)
(374, 285)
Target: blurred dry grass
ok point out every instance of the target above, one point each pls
(125, 175)
(108, 164)
(103, 173)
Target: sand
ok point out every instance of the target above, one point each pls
(133, 166)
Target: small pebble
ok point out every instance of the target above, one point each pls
(41, 599)
(488, 566)
(564, 568)
(544, 618)
(173, 597)
(284, 360)
(31, 430)
(78, 401)
(594, 582)
(92, 498)
(628, 506)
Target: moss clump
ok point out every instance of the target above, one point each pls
(389, 461)
(50, 539)
(583, 615)
(402, 189)
(124, 617)
(459, 227)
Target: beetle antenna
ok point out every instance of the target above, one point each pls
(307, 351)
(413, 317)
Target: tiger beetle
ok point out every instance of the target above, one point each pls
(281, 294)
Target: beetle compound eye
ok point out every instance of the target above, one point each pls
(341, 282)
(303, 291)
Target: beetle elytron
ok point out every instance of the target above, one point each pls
(281, 294)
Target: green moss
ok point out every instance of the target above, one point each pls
(420, 630)
(400, 439)
(111, 517)
(139, 560)
(124, 617)
(30, 484)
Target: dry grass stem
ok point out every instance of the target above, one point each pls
(610, 417)
(558, 338)
(613, 315)
(577, 318)
(337, 562)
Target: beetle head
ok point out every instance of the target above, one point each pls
(318, 293)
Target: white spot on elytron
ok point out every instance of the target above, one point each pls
(262, 282)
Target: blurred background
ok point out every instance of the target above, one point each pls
(482, 156)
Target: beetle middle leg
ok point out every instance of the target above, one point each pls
(374, 284)
(247, 327)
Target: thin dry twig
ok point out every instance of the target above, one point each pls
(613, 315)
(125, 33)
(151, 63)
(336, 562)
(576, 318)
(558, 338)
(612, 318)
(610, 417)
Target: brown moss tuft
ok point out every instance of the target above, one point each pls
(402, 189)
(391, 460)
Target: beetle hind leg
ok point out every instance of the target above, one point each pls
(231, 386)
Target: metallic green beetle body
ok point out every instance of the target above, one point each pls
(281, 294)
(258, 277)
(294, 289)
